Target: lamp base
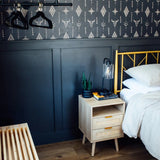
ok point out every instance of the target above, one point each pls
(105, 92)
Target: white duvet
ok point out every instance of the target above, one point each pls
(143, 116)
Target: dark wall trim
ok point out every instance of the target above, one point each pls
(52, 70)
(76, 43)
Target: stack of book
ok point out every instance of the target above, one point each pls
(102, 97)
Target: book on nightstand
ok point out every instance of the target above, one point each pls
(102, 97)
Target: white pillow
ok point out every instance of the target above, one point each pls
(137, 86)
(148, 74)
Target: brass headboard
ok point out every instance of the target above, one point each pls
(119, 57)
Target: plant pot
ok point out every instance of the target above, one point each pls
(86, 94)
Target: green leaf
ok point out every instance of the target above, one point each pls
(86, 84)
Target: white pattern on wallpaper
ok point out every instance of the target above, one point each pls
(89, 19)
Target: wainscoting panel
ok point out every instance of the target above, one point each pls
(74, 63)
(26, 91)
(40, 81)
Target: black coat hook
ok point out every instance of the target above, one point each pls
(19, 16)
(42, 15)
(16, 15)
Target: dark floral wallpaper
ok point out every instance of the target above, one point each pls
(88, 19)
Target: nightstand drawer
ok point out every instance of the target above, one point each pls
(107, 121)
(107, 133)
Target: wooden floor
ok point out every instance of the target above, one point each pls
(74, 150)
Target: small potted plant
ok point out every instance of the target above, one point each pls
(87, 86)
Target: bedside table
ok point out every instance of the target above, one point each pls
(101, 120)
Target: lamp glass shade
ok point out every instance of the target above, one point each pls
(108, 71)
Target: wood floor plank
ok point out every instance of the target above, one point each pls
(75, 150)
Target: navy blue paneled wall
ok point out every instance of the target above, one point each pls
(90, 19)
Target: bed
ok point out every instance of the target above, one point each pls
(138, 84)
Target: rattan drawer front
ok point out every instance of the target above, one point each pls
(107, 121)
(107, 133)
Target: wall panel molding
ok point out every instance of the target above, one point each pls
(61, 63)
(76, 43)
(57, 71)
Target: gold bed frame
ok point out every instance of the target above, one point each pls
(132, 57)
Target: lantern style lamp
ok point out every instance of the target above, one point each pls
(108, 73)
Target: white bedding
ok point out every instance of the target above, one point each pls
(143, 116)
(126, 94)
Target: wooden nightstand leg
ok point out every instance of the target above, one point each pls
(116, 144)
(93, 148)
(83, 140)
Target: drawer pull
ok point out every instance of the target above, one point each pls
(108, 117)
(108, 128)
